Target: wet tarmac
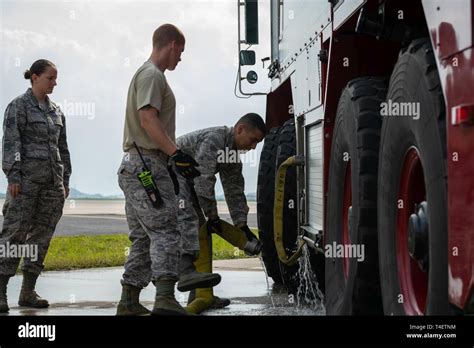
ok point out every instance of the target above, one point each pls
(97, 291)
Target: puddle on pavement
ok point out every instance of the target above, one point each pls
(250, 292)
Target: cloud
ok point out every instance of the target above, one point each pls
(98, 45)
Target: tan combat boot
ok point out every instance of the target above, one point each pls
(165, 302)
(129, 304)
(28, 295)
(167, 305)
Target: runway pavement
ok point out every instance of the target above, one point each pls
(91, 217)
(75, 225)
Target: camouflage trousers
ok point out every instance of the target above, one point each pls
(155, 250)
(29, 223)
(188, 220)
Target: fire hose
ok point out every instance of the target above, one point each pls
(278, 212)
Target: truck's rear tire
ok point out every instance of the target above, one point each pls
(265, 198)
(412, 169)
(353, 287)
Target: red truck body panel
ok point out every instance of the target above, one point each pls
(451, 27)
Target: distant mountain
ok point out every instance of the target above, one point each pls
(251, 197)
(76, 194)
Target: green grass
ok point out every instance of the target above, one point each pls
(75, 252)
(87, 252)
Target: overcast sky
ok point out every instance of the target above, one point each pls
(97, 47)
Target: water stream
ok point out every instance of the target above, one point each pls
(309, 296)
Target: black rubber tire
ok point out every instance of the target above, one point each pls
(286, 149)
(265, 199)
(356, 132)
(415, 79)
(291, 274)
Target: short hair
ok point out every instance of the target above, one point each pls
(37, 68)
(167, 33)
(254, 121)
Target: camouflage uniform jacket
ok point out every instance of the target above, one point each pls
(34, 145)
(213, 149)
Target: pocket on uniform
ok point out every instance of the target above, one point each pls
(36, 151)
(37, 126)
(121, 169)
(127, 168)
(57, 119)
(36, 170)
(58, 125)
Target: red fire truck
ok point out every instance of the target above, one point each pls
(370, 156)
